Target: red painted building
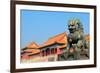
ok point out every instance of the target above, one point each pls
(54, 45)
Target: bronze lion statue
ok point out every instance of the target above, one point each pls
(76, 42)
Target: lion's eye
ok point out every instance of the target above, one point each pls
(78, 23)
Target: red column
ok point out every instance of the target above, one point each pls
(44, 53)
(49, 51)
(55, 50)
(58, 51)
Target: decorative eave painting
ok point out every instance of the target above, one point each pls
(52, 36)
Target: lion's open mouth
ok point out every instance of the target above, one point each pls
(71, 30)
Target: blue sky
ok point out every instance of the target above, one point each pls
(38, 26)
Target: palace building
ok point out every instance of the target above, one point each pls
(54, 45)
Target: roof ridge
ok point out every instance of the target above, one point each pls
(62, 37)
(35, 43)
(57, 35)
(32, 44)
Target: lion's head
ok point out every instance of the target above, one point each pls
(74, 25)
